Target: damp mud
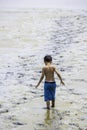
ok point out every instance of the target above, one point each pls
(26, 36)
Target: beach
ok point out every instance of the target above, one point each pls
(26, 36)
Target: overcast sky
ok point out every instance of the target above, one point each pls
(79, 4)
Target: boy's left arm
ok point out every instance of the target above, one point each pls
(41, 78)
(59, 77)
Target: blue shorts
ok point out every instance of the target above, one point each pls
(49, 90)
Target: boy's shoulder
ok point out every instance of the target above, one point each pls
(52, 66)
(43, 67)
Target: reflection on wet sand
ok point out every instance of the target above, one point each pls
(52, 119)
(48, 118)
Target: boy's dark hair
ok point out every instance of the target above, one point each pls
(47, 58)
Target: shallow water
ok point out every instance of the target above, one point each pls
(25, 37)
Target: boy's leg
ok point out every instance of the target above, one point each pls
(48, 104)
(53, 103)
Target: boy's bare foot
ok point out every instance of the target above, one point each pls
(48, 108)
(53, 103)
(53, 106)
(48, 105)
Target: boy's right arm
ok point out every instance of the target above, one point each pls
(41, 78)
(56, 71)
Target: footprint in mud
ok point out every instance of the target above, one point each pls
(4, 111)
(21, 101)
(61, 69)
(20, 75)
(24, 98)
(40, 124)
(30, 85)
(21, 57)
(34, 92)
(71, 90)
(19, 123)
(76, 93)
(79, 80)
(11, 117)
(33, 78)
(76, 126)
(0, 106)
(8, 74)
(73, 124)
(14, 120)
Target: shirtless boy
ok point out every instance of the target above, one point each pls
(49, 84)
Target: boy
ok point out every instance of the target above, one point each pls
(49, 84)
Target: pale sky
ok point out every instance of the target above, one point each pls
(76, 4)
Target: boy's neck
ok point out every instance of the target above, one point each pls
(47, 63)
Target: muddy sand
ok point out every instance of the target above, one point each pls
(26, 36)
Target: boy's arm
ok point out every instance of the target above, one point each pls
(41, 78)
(59, 76)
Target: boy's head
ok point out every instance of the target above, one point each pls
(48, 58)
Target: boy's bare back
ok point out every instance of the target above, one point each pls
(48, 71)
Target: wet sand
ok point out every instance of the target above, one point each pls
(25, 37)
